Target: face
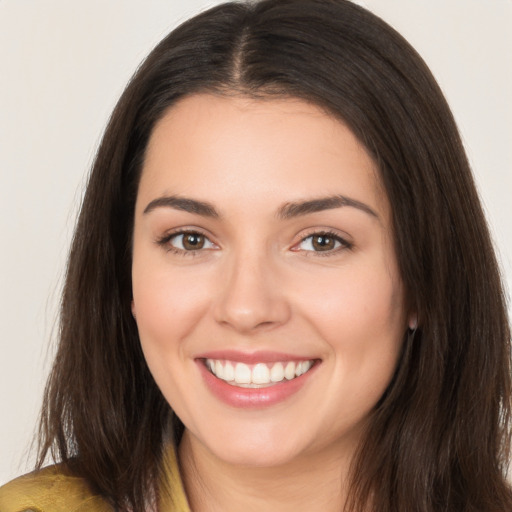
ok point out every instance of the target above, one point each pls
(265, 286)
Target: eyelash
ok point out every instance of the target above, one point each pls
(343, 244)
(165, 240)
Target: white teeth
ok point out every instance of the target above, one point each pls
(302, 368)
(260, 374)
(229, 371)
(242, 374)
(277, 373)
(219, 370)
(289, 371)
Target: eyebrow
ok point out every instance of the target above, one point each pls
(290, 210)
(182, 203)
(287, 211)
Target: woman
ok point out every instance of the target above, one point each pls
(274, 298)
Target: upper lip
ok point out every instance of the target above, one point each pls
(262, 356)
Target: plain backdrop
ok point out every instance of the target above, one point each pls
(63, 64)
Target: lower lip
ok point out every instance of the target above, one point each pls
(249, 398)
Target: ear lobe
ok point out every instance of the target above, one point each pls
(413, 322)
(133, 310)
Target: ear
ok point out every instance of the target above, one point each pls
(413, 321)
(133, 310)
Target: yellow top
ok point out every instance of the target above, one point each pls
(53, 489)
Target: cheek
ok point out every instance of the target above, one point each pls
(360, 315)
(355, 300)
(167, 303)
(168, 306)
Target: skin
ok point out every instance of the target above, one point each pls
(258, 283)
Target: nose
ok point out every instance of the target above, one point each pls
(252, 296)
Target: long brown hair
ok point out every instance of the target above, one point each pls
(439, 437)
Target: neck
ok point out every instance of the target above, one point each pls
(310, 482)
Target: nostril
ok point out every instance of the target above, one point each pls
(249, 299)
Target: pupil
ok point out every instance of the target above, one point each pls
(323, 243)
(193, 241)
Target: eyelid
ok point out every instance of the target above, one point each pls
(165, 239)
(341, 239)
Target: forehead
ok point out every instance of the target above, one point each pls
(225, 148)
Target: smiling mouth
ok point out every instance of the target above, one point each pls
(257, 375)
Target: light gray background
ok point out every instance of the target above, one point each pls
(63, 64)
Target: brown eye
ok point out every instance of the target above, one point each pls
(188, 241)
(323, 243)
(193, 241)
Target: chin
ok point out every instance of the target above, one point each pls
(255, 456)
(257, 444)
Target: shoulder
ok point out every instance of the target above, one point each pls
(52, 489)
